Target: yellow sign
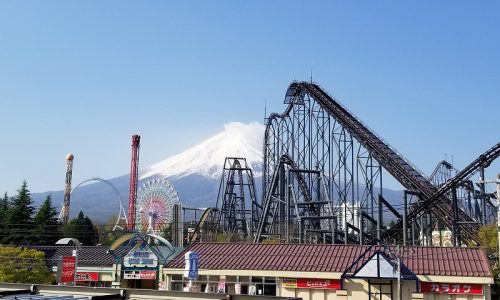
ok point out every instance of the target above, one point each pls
(289, 283)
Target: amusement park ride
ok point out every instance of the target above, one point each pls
(322, 183)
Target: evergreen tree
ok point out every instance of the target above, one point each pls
(20, 216)
(4, 208)
(46, 225)
(82, 229)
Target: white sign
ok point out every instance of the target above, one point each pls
(140, 257)
(191, 268)
(132, 275)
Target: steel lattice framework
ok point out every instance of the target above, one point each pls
(322, 176)
(236, 200)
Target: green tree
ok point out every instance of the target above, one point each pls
(488, 239)
(4, 208)
(20, 216)
(46, 229)
(19, 265)
(82, 229)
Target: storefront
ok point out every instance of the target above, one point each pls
(94, 266)
(336, 271)
(142, 263)
(140, 267)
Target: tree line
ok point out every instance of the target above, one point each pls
(22, 224)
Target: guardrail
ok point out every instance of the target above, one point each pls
(55, 291)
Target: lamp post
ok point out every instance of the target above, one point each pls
(67, 241)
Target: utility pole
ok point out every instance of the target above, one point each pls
(398, 260)
(498, 215)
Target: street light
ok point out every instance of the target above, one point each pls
(67, 241)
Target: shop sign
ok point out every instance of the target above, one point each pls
(87, 276)
(311, 283)
(148, 275)
(289, 283)
(451, 288)
(131, 275)
(139, 275)
(140, 257)
(68, 269)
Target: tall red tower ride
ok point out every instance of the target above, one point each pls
(134, 167)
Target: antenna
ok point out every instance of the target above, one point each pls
(311, 75)
(265, 110)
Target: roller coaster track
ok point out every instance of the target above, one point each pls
(399, 167)
(201, 223)
(266, 210)
(483, 160)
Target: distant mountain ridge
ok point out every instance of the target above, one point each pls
(195, 174)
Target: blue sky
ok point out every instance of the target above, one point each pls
(83, 76)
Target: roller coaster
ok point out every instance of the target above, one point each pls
(322, 183)
(322, 179)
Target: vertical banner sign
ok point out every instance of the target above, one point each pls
(68, 269)
(191, 268)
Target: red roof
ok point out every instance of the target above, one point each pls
(333, 258)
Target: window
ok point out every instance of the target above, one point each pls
(380, 290)
(264, 285)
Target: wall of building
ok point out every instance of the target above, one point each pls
(353, 289)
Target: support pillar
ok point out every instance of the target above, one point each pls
(379, 216)
(405, 217)
(483, 196)
(455, 228)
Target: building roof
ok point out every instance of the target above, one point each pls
(95, 255)
(439, 261)
(87, 255)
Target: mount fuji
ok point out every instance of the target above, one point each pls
(194, 173)
(207, 159)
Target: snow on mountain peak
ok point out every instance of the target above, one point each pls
(237, 140)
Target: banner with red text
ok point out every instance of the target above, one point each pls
(87, 276)
(68, 269)
(451, 288)
(311, 283)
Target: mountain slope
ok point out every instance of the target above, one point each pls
(207, 158)
(195, 174)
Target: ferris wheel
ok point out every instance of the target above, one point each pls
(155, 204)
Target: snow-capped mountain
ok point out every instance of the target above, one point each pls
(194, 173)
(207, 158)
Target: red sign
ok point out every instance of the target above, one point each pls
(314, 283)
(68, 269)
(451, 288)
(148, 275)
(87, 276)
